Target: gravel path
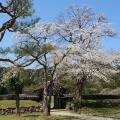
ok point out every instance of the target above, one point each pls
(79, 116)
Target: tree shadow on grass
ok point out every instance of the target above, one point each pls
(32, 116)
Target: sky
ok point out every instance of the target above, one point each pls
(48, 10)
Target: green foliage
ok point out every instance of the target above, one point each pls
(7, 97)
(29, 89)
(91, 88)
(13, 85)
(22, 12)
(116, 80)
(113, 83)
(21, 8)
(67, 82)
(49, 47)
(28, 80)
(5, 50)
(31, 49)
(25, 76)
(107, 85)
(28, 49)
(3, 90)
(16, 84)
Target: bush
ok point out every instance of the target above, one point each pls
(7, 97)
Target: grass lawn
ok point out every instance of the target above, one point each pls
(92, 110)
(23, 103)
(32, 116)
(110, 110)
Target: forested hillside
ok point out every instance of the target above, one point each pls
(29, 80)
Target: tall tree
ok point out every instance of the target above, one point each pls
(82, 31)
(40, 46)
(91, 66)
(13, 75)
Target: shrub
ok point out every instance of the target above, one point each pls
(7, 97)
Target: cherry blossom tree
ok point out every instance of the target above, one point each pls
(94, 65)
(71, 44)
(82, 31)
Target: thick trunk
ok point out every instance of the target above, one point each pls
(17, 104)
(78, 93)
(78, 97)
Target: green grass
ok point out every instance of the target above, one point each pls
(23, 103)
(97, 108)
(104, 101)
(32, 116)
(102, 112)
(99, 111)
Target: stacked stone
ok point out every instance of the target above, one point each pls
(23, 110)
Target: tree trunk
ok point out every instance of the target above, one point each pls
(50, 94)
(46, 105)
(78, 93)
(47, 92)
(78, 97)
(49, 104)
(17, 103)
(45, 101)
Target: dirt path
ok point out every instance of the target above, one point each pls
(79, 116)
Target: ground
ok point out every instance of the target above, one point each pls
(79, 116)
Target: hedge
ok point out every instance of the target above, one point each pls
(7, 97)
(94, 97)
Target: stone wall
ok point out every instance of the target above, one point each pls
(5, 111)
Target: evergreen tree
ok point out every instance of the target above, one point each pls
(18, 11)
